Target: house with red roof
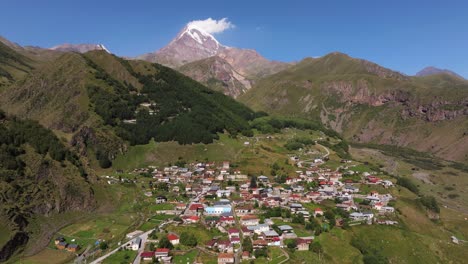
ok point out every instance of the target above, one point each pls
(235, 240)
(196, 207)
(147, 256)
(192, 219)
(318, 211)
(174, 239)
(161, 252)
(226, 258)
(303, 244)
(233, 232)
(227, 220)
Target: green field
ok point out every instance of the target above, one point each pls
(123, 256)
(202, 234)
(46, 255)
(256, 158)
(163, 206)
(186, 258)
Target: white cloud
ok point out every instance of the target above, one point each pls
(212, 26)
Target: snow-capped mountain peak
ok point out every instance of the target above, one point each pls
(197, 34)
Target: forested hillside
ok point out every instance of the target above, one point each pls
(38, 175)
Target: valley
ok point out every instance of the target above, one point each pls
(145, 169)
(201, 152)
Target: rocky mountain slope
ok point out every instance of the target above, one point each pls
(369, 103)
(218, 74)
(193, 46)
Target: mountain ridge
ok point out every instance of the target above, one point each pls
(370, 104)
(431, 70)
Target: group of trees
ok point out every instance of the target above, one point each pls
(182, 109)
(408, 184)
(428, 201)
(188, 239)
(371, 251)
(268, 125)
(298, 143)
(15, 133)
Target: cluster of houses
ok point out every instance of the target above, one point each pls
(61, 244)
(232, 208)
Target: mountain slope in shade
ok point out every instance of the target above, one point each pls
(368, 103)
(80, 48)
(433, 70)
(218, 74)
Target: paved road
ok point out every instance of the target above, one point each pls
(101, 259)
(238, 254)
(143, 237)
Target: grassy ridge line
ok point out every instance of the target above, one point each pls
(423, 160)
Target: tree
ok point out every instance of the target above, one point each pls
(103, 245)
(247, 245)
(153, 235)
(316, 247)
(292, 244)
(262, 252)
(188, 239)
(298, 219)
(253, 182)
(165, 243)
(430, 203)
(152, 246)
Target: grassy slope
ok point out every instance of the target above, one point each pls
(256, 158)
(13, 65)
(309, 89)
(418, 231)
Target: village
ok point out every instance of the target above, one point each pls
(249, 216)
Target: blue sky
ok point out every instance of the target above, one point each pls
(403, 35)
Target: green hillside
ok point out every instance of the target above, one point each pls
(13, 65)
(39, 175)
(368, 103)
(96, 105)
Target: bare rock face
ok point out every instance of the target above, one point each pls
(250, 63)
(217, 74)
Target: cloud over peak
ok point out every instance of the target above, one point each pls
(211, 26)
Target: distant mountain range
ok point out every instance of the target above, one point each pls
(81, 48)
(363, 100)
(368, 103)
